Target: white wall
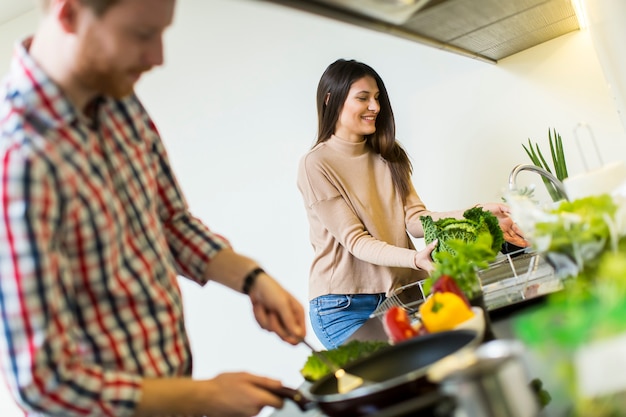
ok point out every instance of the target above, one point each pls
(235, 105)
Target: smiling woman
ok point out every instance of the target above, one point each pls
(355, 184)
(361, 204)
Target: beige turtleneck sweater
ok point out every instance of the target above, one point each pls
(358, 222)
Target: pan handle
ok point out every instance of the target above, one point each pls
(294, 395)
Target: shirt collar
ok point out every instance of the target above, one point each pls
(38, 92)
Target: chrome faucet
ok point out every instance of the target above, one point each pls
(527, 167)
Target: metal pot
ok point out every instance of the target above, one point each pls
(397, 374)
(494, 384)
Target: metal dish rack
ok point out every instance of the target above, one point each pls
(409, 297)
(512, 278)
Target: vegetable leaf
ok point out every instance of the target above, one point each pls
(475, 221)
(463, 263)
(315, 369)
(578, 224)
(557, 153)
(478, 214)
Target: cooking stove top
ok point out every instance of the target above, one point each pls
(430, 405)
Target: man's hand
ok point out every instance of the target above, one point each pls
(238, 394)
(277, 310)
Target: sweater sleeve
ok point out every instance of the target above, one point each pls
(414, 208)
(350, 232)
(328, 209)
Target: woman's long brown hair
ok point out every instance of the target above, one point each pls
(332, 91)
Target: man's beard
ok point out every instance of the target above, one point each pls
(96, 73)
(110, 82)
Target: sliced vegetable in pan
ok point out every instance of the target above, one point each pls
(315, 369)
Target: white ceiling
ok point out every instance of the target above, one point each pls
(10, 9)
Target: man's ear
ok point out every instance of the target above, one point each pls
(66, 13)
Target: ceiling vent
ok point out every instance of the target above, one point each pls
(488, 30)
(391, 11)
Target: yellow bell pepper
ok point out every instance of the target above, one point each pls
(444, 311)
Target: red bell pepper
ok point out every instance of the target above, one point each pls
(397, 324)
(446, 283)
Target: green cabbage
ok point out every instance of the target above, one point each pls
(475, 221)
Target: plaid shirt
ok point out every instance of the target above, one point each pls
(93, 233)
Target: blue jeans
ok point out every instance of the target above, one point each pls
(335, 317)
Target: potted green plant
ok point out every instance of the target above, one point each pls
(559, 166)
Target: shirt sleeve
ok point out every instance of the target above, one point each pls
(40, 352)
(191, 242)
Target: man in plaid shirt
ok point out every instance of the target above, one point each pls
(94, 231)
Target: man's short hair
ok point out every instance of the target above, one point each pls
(98, 6)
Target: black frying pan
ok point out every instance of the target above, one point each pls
(397, 375)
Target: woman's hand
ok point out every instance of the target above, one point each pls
(276, 310)
(423, 259)
(512, 233)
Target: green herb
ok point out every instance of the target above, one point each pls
(464, 246)
(592, 306)
(315, 369)
(463, 262)
(579, 229)
(558, 160)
